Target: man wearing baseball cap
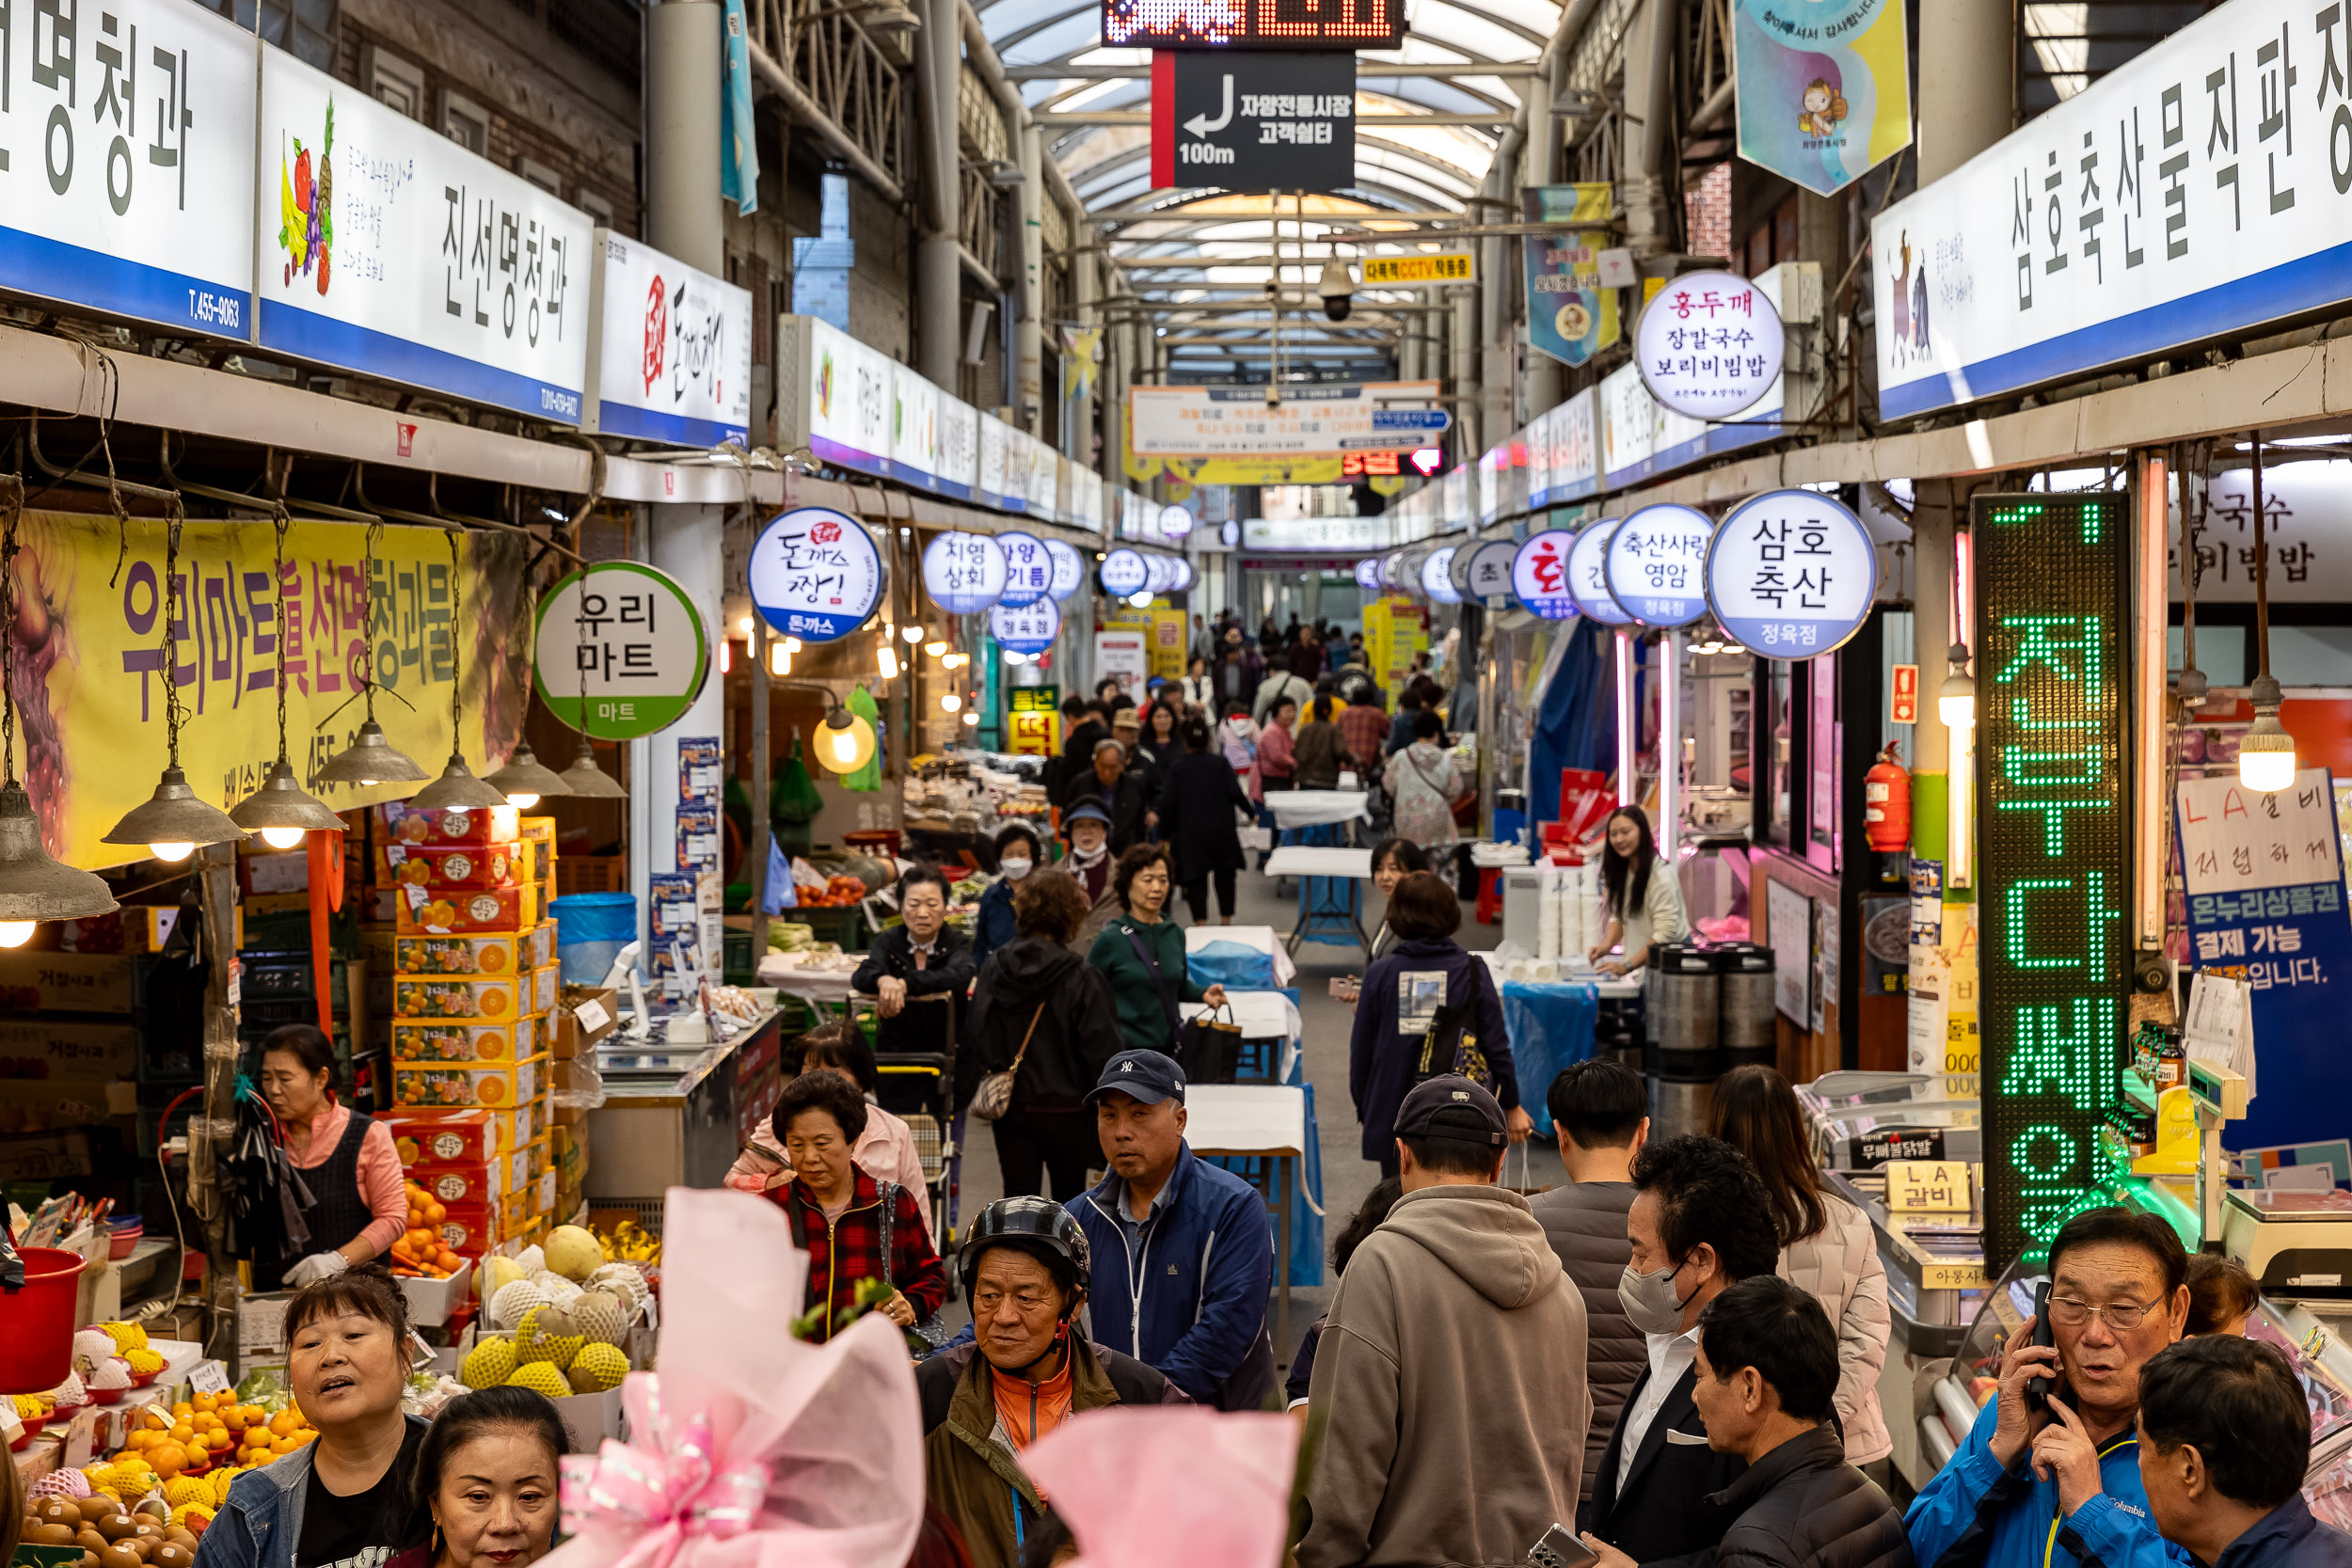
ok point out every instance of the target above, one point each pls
(1197, 1247)
(1451, 1372)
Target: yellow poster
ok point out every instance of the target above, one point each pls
(1167, 644)
(88, 646)
(1036, 721)
(1189, 471)
(1395, 629)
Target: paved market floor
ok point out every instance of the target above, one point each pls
(1347, 1177)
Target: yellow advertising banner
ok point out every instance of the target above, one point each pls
(1035, 722)
(1188, 471)
(89, 662)
(1395, 629)
(1167, 644)
(1403, 272)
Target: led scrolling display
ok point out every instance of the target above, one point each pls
(1253, 23)
(2052, 678)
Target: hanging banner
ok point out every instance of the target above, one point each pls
(1312, 420)
(1081, 354)
(671, 358)
(1824, 87)
(1253, 122)
(815, 575)
(628, 637)
(1569, 316)
(89, 661)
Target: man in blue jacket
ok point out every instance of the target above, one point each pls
(2061, 1487)
(2225, 1437)
(1194, 1240)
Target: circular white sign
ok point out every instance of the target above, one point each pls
(629, 639)
(1229, 532)
(1708, 344)
(1368, 574)
(1069, 568)
(1392, 569)
(815, 574)
(963, 573)
(1436, 580)
(1175, 522)
(1028, 568)
(1184, 575)
(1791, 573)
(1488, 574)
(1028, 628)
(1539, 574)
(1159, 573)
(1123, 572)
(1656, 565)
(1588, 575)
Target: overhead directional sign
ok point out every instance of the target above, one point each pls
(1341, 25)
(1419, 271)
(1253, 122)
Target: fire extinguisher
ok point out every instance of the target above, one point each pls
(1887, 803)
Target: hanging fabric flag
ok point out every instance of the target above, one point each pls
(1081, 349)
(739, 151)
(1824, 87)
(1570, 316)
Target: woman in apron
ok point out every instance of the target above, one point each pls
(357, 1206)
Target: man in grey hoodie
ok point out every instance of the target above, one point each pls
(1449, 1382)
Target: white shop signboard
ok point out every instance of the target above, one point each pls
(672, 360)
(413, 260)
(2199, 189)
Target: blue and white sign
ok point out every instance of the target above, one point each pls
(1791, 573)
(1184, 575)
(1708, 344)
(815, 575)
(1159, 574)
(440, 269)
(1539, 574)
(1069, 568)
(963, 573)
(1124, 573)
(1588, 574)
(137, 198)
(1368, 573)
(672, 356)
(1488, 574)
(1175, 522)
(1436, 575)
(1028, 628)
(1656, 565)
(1028, 568)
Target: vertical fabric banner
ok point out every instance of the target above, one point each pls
(738, 146)
(1570, 315)
(1824, 87)
(1081, 354)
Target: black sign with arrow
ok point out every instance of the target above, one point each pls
(1253, 121)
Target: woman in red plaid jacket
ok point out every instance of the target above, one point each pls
(853, 1226)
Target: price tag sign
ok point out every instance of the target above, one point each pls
(1927, 1186)
(209, 1377)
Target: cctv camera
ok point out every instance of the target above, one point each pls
(1338, 288)
(1336, 307)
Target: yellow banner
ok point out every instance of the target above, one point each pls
(89, 650)
(1404, 271)
(1183, 473)
(1167, 644)
(1395, 629)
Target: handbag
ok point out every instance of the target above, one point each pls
(932, 1332)
(1449, 1047)
(994, 1098)
(1207, 1050)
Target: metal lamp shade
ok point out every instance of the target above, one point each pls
(524, 774)
(282, 802)
(175, 815)
(371, 759)
(456, 789)
(586, 781)
(33, 886)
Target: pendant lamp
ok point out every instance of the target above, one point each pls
(524, 781)
(583, 779)
(281, 811)
(34, 887)
(174, 820)
(371, 758)
(456, 789)
(2266, 757)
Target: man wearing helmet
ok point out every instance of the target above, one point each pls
(1025, 1268)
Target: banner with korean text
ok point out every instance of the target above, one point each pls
(1824, 87)
(88, 646)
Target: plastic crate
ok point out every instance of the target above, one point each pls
(845, 926)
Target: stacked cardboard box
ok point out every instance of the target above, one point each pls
(535, 867)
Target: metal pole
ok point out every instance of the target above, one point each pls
(939, 64)
(1465, 373)
(1670, 747)
(760, 826)
(1029, 334)
(1629, 724)
(683, 91)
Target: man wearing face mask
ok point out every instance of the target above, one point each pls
(1700, 1223)
(1016, 855)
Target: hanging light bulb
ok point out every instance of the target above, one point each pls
(844, 742)
(935, 649)
(281, 811)
(791, 644)
(726, 656)
(2266, 757)
(972, 718)
(912, 633)
(456, 789)
(1956, 699)
(585, 780)
(1140, 598)
(745, 626)
(889, 664)
(371, 759)
(173, 820)
(16, 933)
(950, 701)
(956, 661)
(525, 780)
(779, 659)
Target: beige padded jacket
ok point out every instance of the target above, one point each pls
(1840, 1269)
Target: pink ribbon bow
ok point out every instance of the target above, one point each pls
(663, 1498)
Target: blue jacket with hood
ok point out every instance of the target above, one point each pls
(1976, 1515)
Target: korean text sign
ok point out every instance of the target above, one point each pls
(815, 574)
(2198, 189)
(126, 160)
(2263, 875)
(94, 720)
(627, 638)
(387, 248)
(1791, 573)
(672, 356)
(1234, 421)
(1654, 565)
(1828, 87)
(2053, 601)
(1708, 346)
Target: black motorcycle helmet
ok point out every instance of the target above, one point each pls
(1038, 1227)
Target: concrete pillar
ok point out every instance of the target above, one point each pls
(1648, 52)
(1463, 370)
(1498, 355)
(939, 287)
(1967, 97)
(1029, 330)
(683, 91)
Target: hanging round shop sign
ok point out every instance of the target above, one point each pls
(1069, 568)
(1368, 574)
(1588, 574)
(1487, 574)
(963, 573)
(1229, 534)
(1028, 568)
(629, 638)
(1656, 565)
(1392, 569)
(1437, 574)
(1028, 629)
(1791, 573)
(815, 575)
(1159, 573)
(1539, 574)
(1175, 522)
(1123, 572)
(1184, 575)
(1708, 344)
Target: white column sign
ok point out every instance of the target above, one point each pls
(1656, 565)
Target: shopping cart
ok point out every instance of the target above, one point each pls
(919, 1087)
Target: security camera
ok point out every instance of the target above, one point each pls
(1338, 289)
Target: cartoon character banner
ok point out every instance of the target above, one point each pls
(1824, 87)
(1569, 316)
(89, 668)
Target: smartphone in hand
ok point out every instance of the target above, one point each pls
(2040, 1390)
(1560, 1549)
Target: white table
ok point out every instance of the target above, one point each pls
(1311, 860)
(1267, 1123)
(817, 986)
(1315, 808)
(1329, 912)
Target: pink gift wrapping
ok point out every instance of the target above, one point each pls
(750, 1448)
(1219, 1495)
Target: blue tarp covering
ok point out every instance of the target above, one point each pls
(1551, 1026)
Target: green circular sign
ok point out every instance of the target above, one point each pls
(627, 638)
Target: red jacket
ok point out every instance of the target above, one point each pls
(851, 1249)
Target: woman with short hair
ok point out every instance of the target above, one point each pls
(1019, 852)
(1318, 753)
(852, 1227)
(1142, 953)
(886, 1150)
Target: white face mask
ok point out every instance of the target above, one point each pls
(1014, 867)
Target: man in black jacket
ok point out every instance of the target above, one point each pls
(922, 957)
(1116, 787)
(2225, 1437)
(1766, 1368)
(1699, 1224)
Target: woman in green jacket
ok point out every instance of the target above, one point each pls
(1142, 953)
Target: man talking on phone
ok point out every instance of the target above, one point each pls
(2055, 1480)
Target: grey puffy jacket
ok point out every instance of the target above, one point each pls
(1840, 1269)
(1584, 1222)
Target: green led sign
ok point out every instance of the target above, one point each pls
(2053, 863)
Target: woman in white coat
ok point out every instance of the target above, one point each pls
(1827, 1248)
